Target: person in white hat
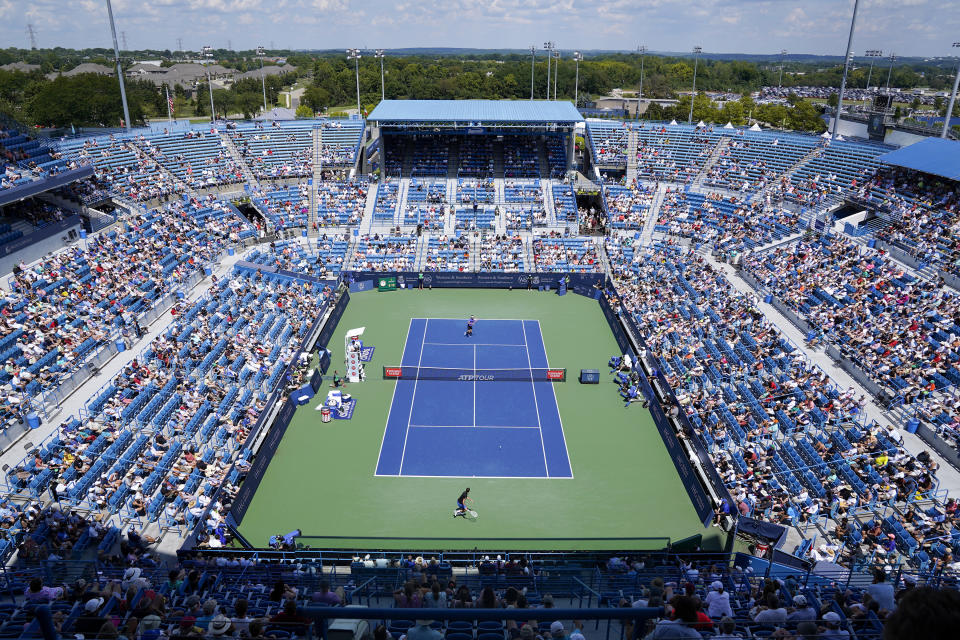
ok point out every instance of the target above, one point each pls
(800, 610)
(831, 627)
(718, 601)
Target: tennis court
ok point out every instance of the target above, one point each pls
(623, 490)
(494, 415)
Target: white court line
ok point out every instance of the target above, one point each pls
(479, 344)
(413, 397)
(474, 386)
(555, 403)
(394, 395)
(536, 405)
(406, 475)
(468, 426)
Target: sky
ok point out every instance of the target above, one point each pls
(905, 27)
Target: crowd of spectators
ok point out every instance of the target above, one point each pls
(627, 206)
(788, 443)
(446, 253)
(341, 202)
(118, 168)
(898, 328)
(728, 224)
(555, 252)
(384, 253)
(62, 309)
(163, 439)
(502, 253)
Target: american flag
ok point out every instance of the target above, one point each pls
(170, 103)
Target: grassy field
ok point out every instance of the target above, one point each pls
(321, 479)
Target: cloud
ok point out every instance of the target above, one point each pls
(748, 26)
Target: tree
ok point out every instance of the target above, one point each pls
(833, 100)
(223, 101)
(303, 111)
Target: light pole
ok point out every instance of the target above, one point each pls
(116, 55)
(642, 50)
(873, 54)
(263, 80)
(783, 52)
(354, 54)
(696, 60)
(533, 61)
(577, 57)
(556, 72)
(953, 99)
(846, 66)
(207, 53)
(893, 59)
(383, 86)
(548, 47)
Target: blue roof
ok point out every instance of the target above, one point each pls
(932, 155)
(468, 111)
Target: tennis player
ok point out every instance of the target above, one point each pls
(472, 321)
(461, 501)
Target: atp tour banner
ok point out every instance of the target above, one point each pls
(585, 284)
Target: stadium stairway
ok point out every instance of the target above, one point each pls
(547, 186)
(231, 148)
(453, 161)
(498, 159)
(948, 475)
(715, 154)
(544, 162)
(632, 139)
(406, 167)
(401, 200)
(529, 264)
(366, 222)
(646, 235)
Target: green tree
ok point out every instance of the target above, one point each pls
(303, 111)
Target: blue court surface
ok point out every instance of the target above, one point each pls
(470, 428)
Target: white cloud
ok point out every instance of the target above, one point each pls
(912, 27)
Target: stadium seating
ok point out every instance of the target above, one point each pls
(566, 254)
(627, 207)
(447, 254)
(821, 455)
(730, 225)
(341, 202)
(285, 208)
(384, 253)
(564, 203)
(502, 254)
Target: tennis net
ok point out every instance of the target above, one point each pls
(411, 372)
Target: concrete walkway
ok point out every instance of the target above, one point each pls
(948, 475)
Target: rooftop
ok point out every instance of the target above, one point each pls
(935, 156)
(476, 111)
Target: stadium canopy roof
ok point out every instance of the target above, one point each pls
(475, 112)
(935, 156)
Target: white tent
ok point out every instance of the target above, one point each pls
(755, 127)
(701, 124)
(729, 125)
(826, 134)
(840, 137)
(673, 122)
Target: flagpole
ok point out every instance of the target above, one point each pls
(169, 104)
